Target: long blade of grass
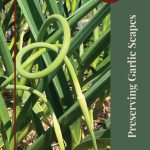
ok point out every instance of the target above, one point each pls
(94, 50)
(5, 53)
(102, 137)
(4, 136)
(30, 9)
(7, 19)
(99, 69)
(52, 6)
(5, 118)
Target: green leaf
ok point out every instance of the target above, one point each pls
(4, 136)
(75, 129)
(5, 53)
(38, 124)
(94, 50)
(4, 117)
(7, 19)
(31, 9)
(52, 6)
(103, 144)
(102, 137)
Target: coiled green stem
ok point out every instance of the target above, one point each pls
(60, 57)
(57, 61)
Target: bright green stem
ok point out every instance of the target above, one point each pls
(23, 80)
(5, 53)
(82, 101)
(96, 31)
(42, 96)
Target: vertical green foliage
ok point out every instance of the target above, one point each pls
(5, 53)
(52, 95)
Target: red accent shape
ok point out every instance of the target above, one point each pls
(15, 53)
(109, 1)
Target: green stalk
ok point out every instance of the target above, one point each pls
(5, 53)
(53, 9)
(7, 19)
(4, 136)
(94, 50)
(60, 57)
(42, 96)
(52, 6)
(82, 101)
(96, 31)
(5, 120)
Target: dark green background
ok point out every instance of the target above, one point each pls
(120, 85)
